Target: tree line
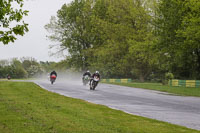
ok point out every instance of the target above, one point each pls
(25, 68)
(139, 39)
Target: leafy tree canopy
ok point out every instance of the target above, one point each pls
(11, 23)
(130, 38)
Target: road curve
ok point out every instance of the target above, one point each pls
(184, 111)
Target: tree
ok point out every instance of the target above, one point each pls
(189, 32)
(178, 37)
(32, 67)
(17, 69)
(126, 40)
(106, 35)
(8, 15)
(72, 29)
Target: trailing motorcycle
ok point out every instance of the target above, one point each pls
(85, 79)
(8, 77)
(94, 83)
(52, 78)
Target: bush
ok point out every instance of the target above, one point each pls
(169, 76)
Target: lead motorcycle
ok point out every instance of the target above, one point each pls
(94, 83)
(52, 78)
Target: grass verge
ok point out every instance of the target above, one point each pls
(26, 108)
(183, 91)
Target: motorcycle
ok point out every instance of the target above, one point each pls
(85, 79)
(52, 78)
(8, 77)
(94, 83)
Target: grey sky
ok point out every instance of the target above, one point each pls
(34, 43)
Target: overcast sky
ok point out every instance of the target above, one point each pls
(34, 43)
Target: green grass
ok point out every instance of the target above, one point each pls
(183, 91)
(26, 108)
(5, 79)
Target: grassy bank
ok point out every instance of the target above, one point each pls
(184, 91)
(25, 107)
(5, 79)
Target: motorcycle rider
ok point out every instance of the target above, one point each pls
(53, 76)
(95, 74)
(87, 73)
(8, 77)
(53, 73)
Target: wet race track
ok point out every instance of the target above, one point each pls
(178, 110)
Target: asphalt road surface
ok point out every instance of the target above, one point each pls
(184, 111)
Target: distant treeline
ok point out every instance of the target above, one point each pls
(25, 68)
(138, 39)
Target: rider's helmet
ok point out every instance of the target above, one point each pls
(88, 71)
(97, 72)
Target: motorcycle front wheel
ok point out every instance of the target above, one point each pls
(93, 85)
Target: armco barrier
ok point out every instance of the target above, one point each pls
(185, 83)
(117, 80)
